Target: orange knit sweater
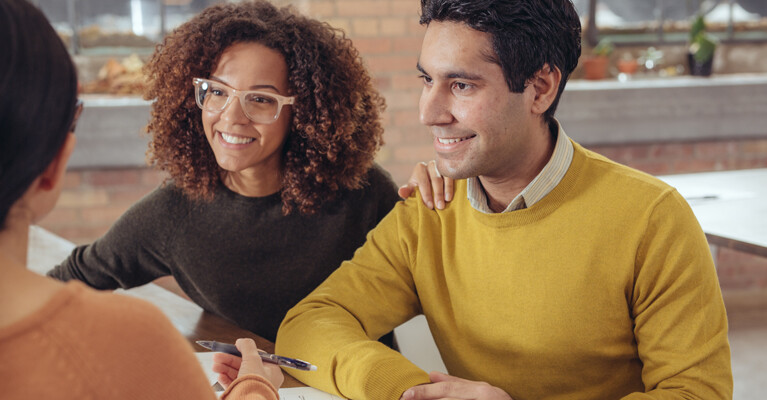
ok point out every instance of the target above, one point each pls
(85, 344)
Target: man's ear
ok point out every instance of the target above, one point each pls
(546, 85)
(54, 173)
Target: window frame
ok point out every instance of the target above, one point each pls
(661, 37)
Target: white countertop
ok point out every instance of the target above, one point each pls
(731, 206)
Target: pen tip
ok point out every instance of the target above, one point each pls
(313, 368)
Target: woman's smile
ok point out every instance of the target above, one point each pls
(229, 138)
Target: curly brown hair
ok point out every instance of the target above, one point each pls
(335, 130)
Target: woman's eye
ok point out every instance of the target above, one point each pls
(260, 99)
(217, 92)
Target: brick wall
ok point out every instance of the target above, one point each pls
(92, 199)
(388, 36)
(684, 157)
(741, 271)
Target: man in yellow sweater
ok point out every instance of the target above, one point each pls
(554, 274)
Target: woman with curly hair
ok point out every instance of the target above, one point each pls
(267, 123)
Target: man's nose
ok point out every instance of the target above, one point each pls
(434, 107)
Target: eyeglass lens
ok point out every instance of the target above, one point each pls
(258, 106)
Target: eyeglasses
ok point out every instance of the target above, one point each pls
(260, 107)
(78, 111)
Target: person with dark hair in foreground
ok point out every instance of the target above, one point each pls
(267, 123)
(65, 341)
(554, 273)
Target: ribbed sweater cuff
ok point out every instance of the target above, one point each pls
(389, 378)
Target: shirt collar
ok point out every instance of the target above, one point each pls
(549, 177)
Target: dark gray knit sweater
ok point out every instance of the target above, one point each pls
(235, 256)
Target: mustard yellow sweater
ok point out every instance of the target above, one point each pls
(604, 289)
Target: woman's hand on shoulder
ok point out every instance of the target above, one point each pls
(230, 367)
(434, 188)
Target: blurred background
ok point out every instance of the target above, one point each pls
(664, 86)
(646, 110)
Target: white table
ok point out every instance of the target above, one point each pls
(46, 250)
(731, 206)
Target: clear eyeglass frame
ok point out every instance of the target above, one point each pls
(200, 89)
(76, 117)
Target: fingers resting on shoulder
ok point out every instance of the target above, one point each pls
(434, 188)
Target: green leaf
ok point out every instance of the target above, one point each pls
(604, 48)
(702, 47)
(697, 27)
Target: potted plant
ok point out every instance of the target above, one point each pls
(595, 66)
(700, 55)
(627, 64)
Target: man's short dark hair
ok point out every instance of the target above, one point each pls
(526, 34)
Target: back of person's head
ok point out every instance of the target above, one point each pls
(526, 34)
(38, 92)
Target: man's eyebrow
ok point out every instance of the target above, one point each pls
(463, 75)
(420, 68)
(453, 75)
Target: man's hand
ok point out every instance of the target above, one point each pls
(445, 386)
(432, 185)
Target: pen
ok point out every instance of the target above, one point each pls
(705, 197)
(272, 358)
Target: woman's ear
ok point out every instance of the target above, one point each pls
(546, 84)
(54, 173)
(44, 191)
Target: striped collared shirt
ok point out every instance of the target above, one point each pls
(544, 183)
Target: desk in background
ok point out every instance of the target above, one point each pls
(46, 250)
(731, 206)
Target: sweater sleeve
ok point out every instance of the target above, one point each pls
(250, 387)
(132, 252)
(335, 327)
(680, 320)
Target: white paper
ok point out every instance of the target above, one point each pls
(206, 360)
(305, 393)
